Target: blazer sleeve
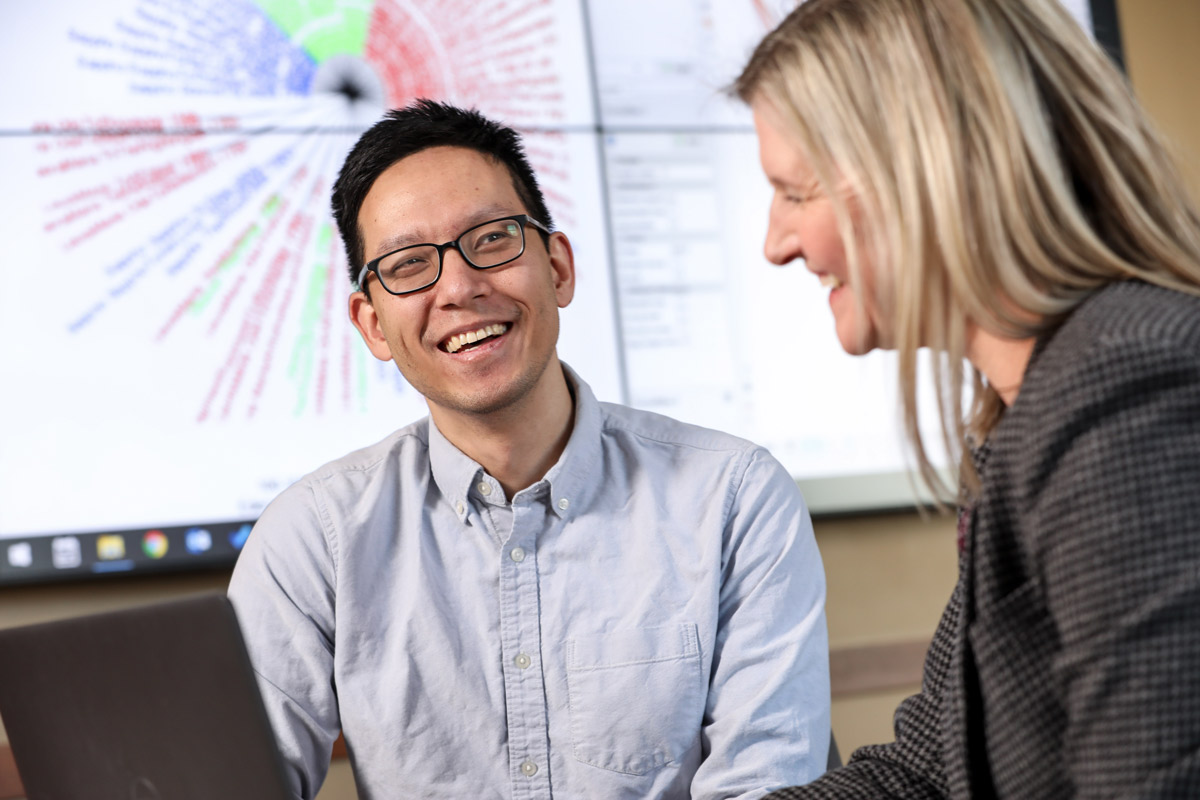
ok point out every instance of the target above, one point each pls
(1113, 523)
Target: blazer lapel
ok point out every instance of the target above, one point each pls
(964, 750)
(954, 706)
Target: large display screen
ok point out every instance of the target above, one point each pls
(173, 332)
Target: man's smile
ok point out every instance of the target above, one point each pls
(468, 340)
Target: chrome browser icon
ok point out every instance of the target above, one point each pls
(154, 544)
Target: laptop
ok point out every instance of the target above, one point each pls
(150, 703)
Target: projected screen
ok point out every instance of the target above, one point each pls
(173, 331)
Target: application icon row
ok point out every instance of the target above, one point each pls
(66, 552)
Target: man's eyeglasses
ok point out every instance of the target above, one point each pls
(418, 266)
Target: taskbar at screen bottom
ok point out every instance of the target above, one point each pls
(55, 557)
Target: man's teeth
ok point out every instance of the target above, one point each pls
(830, 282)
(461, 340)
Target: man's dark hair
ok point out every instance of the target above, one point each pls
(405, 131)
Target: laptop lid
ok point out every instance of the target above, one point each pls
(147, 703)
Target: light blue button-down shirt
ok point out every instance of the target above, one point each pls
(647, 621)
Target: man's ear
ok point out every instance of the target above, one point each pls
(363, 315)
(562, 263)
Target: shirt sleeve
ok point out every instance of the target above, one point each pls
(283, 592)
(779, 657)
(766, 720)
(910, 767)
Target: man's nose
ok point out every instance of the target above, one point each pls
(460, 282)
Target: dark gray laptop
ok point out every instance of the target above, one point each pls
(148, 703)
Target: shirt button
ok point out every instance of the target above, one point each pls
(563, 503)
(517, 554)
(523, 661)
(484, 489)
(529, 769)
(459, 507)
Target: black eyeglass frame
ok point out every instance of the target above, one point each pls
(520, 219)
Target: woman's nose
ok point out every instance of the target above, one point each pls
(782, 244)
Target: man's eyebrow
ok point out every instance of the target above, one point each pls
(396, 241)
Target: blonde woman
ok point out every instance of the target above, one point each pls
(974, 177)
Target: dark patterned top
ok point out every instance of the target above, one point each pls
(1067, 663)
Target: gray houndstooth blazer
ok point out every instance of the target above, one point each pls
(1067, 663)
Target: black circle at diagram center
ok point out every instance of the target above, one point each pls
(352, 78)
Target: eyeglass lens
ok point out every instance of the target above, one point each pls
(488, 245)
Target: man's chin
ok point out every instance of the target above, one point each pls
(482, 403)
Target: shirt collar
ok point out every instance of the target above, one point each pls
(453, 471)
(574, 478)
(571, 480)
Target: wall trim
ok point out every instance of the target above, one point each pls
(876, 667)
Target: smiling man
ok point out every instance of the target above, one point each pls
(528, 594)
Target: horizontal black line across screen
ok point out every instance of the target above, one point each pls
(596, 130)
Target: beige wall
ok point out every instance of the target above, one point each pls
(888, 575)
(1162, 56)
(889, 578)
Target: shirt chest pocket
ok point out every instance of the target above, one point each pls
(636, 696)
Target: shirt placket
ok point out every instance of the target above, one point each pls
(520, 631)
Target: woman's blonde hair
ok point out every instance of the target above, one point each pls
(1002, 167)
